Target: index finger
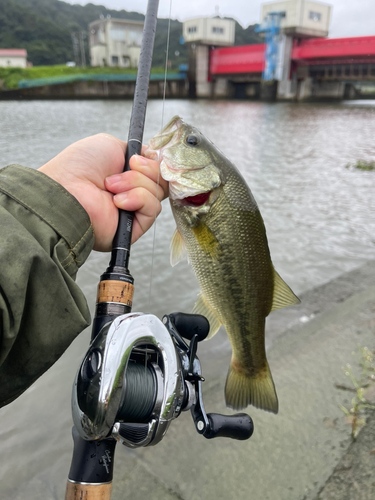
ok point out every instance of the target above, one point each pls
(149, 168)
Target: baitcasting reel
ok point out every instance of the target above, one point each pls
(139, 374)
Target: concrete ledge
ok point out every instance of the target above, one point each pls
(291, 455)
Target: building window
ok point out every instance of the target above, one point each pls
(192, 29)
(118, 34)
(135, 37)
(115, 60)
(218, 31)
(125, 61)
(315, 16)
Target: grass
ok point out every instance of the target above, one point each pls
(9, 77)
(362, 165)
(362, 385)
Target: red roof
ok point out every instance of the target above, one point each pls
(13, 52)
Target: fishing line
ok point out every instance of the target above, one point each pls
(138, 398)
(158, 179)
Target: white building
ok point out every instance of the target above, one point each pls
(13, 58)
(200, 34)
(209, 31)
(115, 42)
(301, 17)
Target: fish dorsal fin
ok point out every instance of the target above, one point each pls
(178, 248)
(283, 296)
(202, 307)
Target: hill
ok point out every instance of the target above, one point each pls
(45, 27)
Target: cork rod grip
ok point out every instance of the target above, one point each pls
(115, 291)
(76, 491)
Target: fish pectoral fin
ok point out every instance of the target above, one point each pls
(178, 248)
(202, 307)
(283, 296)
(207, 240)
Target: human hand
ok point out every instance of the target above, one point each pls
(92, 171)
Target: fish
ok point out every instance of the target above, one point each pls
(221, 232)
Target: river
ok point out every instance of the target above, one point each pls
(319, 215)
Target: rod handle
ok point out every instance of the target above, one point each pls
(76, 491)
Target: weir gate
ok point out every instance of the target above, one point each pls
(323, 67)
(296, 61)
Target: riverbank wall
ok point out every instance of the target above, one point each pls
(179, 87)
(176, 86)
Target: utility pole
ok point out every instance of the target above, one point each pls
(75, 48)
(83, 55)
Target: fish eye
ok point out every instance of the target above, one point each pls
(192, 140)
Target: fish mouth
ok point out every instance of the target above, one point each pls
(197, 200)
(163, 138)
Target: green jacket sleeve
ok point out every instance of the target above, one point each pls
(45, 236)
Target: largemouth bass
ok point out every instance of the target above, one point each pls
(221, 231)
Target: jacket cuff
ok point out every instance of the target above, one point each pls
(53, 204)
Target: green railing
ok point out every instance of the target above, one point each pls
(56, 80)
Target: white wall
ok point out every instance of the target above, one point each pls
(98, 55)
(209, 30)
(319, 8)
(13, 61)
(298, 16)
(116, 41)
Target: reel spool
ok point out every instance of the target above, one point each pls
(139, 374)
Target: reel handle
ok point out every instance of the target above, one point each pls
(239, 426)
(190, 325)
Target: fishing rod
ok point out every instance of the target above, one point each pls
(139, 373)
(115, 294)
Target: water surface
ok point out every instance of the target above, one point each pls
(319, 217)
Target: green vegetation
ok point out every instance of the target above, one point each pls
(363, 388)
(363, 165)
(11, 76)
(45, 27)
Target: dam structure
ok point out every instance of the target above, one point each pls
(297, 60)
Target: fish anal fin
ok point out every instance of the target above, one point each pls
(243, 389)
(283, 296)
(202, 307)
(178, 248)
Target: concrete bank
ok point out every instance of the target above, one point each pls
(353, 478)
(291, 455)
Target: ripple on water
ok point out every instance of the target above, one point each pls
(319, 218)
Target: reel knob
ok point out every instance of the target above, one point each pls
(238, 426)
(190, 325)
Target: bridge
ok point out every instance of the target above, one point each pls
(320, 67)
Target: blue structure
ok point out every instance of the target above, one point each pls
(271, 29)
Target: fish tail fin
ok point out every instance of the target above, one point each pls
(243, 389)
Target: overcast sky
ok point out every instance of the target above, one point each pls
(348, 18)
